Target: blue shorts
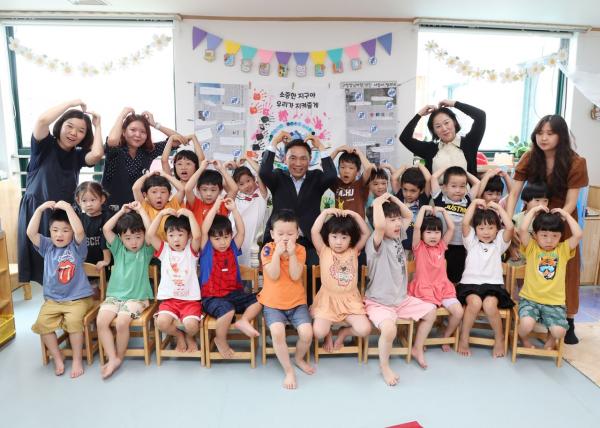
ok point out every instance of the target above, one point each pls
(237, 301)
(295, 316)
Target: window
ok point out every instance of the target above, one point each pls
(512, 109)
(144, 86)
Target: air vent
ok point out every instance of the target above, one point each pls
(88, 3)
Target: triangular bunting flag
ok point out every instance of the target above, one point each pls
(318, 57)
(283, 57)
(265, 55)
(335, 55)
(213, 41)
(300, 57)
(386, 42)
(231, 47)
(197, 36)
(352, 51)
(248, 52)
(369, 47)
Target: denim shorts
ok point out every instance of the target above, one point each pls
(295, 316)
(237, 301)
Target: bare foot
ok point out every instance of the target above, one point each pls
(109, 368)
(191, 344)
(181, 345)
(389, 376)
(304, 366)
(463, 348)
(59, 366)
(446, 348)
(328, 343)
(339, 340)
(289, 382)
(526, 343)
(76, 369)
(224, 348)
(498, 350)
(246, 328)
(418, 355)
(550, 343)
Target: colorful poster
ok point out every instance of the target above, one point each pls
(371, 122)
(301, 111)
(220, 119)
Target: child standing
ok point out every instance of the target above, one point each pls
(413, 188)
(283, 296)
(386, 298)
(543, 293)
(454, 198)
(486, 240)
(129, 287)
(338, 242)
(210, 184)
(185, 162)
(431, 282)
(67, 291)
(178, 291)
(153, 191)
(351, 193)
(221, 285)
(90, 198)
(251, 202)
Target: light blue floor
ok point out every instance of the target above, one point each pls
(453, 392)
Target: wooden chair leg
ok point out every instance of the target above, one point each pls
(27, 291)
(411, 331)
(559, 357)
(202, 347)
(158, 341)
(366, 350)
(263, 331)
(146, 341)
(316, 351)
(207, 345)
(506, 333)
(456, 337)
(360, 349)
(45, 356)
(515, 338)
(101, 352)
(253, 352)
(87, 337)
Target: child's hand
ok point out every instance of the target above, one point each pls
(385, 165)
(516, 240)
(539, 208)
(133, 206)
(101, 265)
(333, 211)
(479, 203)
(184, 212)
(62, 205)
(229, 204)
(563, 214)
(230, 165)
(493, 206)
(291, 247)
(428, 209)
(383, 198)
(515, 254)
(168, 211)
(204, 164)
(280, 248)
(47, 205)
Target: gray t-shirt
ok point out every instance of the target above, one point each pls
(387, 271)
(64, 274)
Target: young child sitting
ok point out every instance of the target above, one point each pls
(386, 298)
(178, 291)
(251, 202)
(153, 191)
(481, 285)
(129, 288)
(351, 193)
(491, 187)
(542, 297)
(533, 194)
(67, 291)
(338, 242)
(430, 282)
(210, 184)
(413, 188)
(221, 285)
(185, 162)
(283, 295)
(454, 198)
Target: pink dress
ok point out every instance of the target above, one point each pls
(430, 282)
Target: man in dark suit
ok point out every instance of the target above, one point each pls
(298, 188)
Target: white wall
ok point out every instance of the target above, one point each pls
(190, 66)
(586, 130)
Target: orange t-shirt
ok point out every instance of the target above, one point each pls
(282, 293)
(200, 209)
(152, 213)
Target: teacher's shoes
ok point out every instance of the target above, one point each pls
(570, 337)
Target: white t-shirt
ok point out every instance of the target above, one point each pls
(178, 275)
(484, 261)
(253, 210)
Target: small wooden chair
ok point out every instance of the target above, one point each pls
(210, 324)
(163, 342)
(356, 347)
(267, 347)
(505, 316)
(144, 322)
(516, 273)
(90, 334)
(406, 340)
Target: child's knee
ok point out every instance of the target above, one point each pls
(557, 332)
(526, 323)
(490, 303)
(388, 329)
(305, 332)
(456, 310)
(191, 326)
(474, 302)
(362, 328)
(122, 323)
(277, 330)
(321, 330)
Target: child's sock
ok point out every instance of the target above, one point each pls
(570, 337)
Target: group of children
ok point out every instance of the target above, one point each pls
(457, 233)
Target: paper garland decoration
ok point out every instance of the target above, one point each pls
(318, 57)
(464, 67)
(159, 42)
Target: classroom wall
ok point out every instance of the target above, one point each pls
(586, 130)
(190, 66)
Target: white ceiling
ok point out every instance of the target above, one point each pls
(575, 12)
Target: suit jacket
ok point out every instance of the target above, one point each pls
(307, 203)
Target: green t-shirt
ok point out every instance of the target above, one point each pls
(129, 275)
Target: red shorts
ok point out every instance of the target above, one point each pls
(181, 309)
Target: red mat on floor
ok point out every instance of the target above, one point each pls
(413, 424)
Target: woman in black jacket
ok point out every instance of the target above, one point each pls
(447, 148)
